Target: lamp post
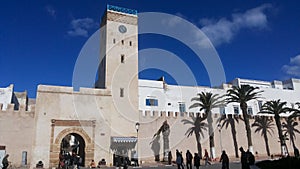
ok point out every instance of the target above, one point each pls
(137, 126)
(220, 127)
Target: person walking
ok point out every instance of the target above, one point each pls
(5, 161)
(182, 164)
(244, 159)
(206, 157)
(189, 158)
(169, 157)
(178, 159)
(250, 159)
(196, 161)
(225, 160)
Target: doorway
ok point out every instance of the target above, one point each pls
(73, 147)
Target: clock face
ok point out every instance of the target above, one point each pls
(122, 29)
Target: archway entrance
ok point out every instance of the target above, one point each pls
(72, 127)
(72, 149)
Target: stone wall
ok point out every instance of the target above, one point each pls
(16, 132)
(151, 122)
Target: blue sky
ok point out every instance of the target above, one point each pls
(40, 40)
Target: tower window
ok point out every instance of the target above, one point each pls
(121, 92)
(130, 43)
(114, 41)
(122, 41)
(122, 58)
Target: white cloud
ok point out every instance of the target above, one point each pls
(224, 30)
(293, 68)
(81, 27)
(51, 11)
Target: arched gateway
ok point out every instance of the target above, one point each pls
(85, 150)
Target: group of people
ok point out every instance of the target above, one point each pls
(189, 158)
(67, 161)
(247, 158)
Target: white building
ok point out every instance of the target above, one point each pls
(159, 96)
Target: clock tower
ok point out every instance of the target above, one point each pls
(118, 68)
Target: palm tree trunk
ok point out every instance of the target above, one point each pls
(281, 139)
(292, 140)
(267, 144)
(198, 145)
(233, 132)
(211, 136)
(247, 125)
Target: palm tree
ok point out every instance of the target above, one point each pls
(198, 127)
(276, 107)
(296, 112)
(264, 125)
(230, 120)
(165, 130)
(207, 101)
(290, 128)
(242, 95)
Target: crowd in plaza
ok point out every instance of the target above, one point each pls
(247, 159)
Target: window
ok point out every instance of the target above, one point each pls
(151, 102)
(122, 41)
(236, 110)
(182, 107)
(249, 111)
(222, 110)
(122, 58)
(130, 43)
(114, 41)
(121, 92)
(260, 104)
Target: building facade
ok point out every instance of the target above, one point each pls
(101, 121)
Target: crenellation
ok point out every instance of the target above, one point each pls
(21, 111)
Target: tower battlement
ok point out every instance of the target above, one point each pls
(21, 111)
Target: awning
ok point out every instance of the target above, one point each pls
(124, 139)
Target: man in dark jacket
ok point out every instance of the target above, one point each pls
(197, 161)
(189, 158)
(5, 161)
(244, 159)
(225, 160)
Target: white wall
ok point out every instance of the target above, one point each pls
(6, 96)
(174, 94)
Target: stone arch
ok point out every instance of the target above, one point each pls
(55, 146)
(78, 131)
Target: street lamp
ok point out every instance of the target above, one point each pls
(137, 126)
(220, 127)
